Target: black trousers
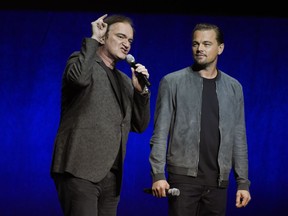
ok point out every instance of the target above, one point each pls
(79, 197)
(197, 200)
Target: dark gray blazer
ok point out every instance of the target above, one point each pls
(93, 126)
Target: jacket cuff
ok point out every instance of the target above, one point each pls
(243, 187)
(159, 176)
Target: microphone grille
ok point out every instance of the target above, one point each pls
(130, 59)
(175, 192)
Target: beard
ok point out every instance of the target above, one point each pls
(197, 67)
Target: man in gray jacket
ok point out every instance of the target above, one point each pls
(199, 133)
(100, 105)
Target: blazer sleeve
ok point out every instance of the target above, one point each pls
(140, 112)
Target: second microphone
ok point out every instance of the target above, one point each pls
(169, 192)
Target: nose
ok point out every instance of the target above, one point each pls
(200, 47)
(126, 43)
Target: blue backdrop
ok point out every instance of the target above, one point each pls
(34, 48)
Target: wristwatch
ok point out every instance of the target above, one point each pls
(145, 91)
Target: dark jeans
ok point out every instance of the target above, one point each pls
(197, 200)
(79, 197)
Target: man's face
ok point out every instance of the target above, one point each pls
(118, 41)
(205, 47)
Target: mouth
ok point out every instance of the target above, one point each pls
(123, 54)
(125, 51)
(200, 56)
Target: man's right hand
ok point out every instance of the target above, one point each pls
(159, 188)
(99, 28)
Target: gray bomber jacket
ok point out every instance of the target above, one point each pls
(177, 124)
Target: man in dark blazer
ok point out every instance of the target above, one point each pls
(100, 105)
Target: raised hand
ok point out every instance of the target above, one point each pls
(99, 28)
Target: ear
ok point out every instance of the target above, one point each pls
(220, 48)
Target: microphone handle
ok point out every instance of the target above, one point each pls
(169, 192)
(142, 78)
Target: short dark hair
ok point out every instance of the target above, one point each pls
(116, 18)
(209, 26)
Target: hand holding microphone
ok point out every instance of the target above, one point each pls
(169, 192)
(141, 77)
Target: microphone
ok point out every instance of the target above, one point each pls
(169, 192)
(143, 79)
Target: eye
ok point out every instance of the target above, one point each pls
(207, 44)
(120, 36)
(195, 44)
